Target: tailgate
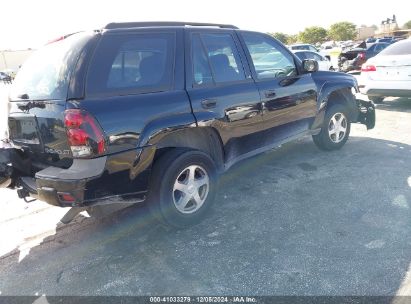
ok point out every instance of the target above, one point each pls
(39, 130)
(38, 101)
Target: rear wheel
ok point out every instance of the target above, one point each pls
(376, 99)
(183, 187)
(335, 129)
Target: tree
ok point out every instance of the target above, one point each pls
(280, 36)
(407, 25)
(374, 26)
(342, 31)
(292, 39)
(313, 34)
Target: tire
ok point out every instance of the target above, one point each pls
(327, 138)
(376, 99)
(175, 196)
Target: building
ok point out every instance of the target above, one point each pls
(365, 32)
(10, 61)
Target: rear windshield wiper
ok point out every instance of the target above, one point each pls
(23, 96)
(31, 104)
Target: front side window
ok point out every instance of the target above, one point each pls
(127, 64)
(215, 59)
(269, 59)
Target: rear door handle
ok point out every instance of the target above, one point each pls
(208, 103)
(269, 94)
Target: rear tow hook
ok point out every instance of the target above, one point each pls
(24, 194)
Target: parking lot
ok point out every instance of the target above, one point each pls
(295, 221)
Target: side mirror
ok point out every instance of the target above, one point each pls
(310, 65)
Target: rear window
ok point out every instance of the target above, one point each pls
(46, 74)
(133, 63)
(300, 47)
(399, 48)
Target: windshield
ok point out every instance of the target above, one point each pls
(399, 48)
(46, 74)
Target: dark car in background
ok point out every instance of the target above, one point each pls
(370, 40)
(157, 111)
(388, 40)
(4, 77)
(353, 59)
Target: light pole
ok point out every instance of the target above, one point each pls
(4, 60)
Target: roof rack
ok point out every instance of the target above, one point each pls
(115, 25)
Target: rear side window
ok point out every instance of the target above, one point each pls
(398, 48)
(380, 47)
(201, 67)
(131, 64)
(215, 59)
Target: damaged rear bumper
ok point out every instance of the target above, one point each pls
(67, 187)
(87, 182)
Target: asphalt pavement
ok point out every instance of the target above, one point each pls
(294, 221)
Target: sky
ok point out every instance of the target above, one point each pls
(30, 24)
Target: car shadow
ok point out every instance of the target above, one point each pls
(296, 221)
(401, 104)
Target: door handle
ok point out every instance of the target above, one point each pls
(208, 103)
(269, 94)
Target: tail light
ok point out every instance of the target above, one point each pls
(361, 56)
(368, 68)
(84, 134)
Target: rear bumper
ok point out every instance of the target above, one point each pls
(53, 184)
(387, 88)
(119, 178)
(388, 92)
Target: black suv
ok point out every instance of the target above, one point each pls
(156, 111)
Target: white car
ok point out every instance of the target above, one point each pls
(388, 73)
(302, 47)
(324, 64)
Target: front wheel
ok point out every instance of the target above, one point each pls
(335, 129)
(183, 187)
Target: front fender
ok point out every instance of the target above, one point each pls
(329, 87)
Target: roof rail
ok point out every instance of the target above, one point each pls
(115, 25)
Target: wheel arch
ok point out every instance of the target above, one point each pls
(205, 139)
(336, 94)
(344, 97)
